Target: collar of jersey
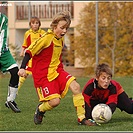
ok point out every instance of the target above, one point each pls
(39, 30)
(51, 32)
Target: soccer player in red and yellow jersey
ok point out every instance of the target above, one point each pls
(30, 36)
(102, 89)
(50, 79)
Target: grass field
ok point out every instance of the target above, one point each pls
(61, 118)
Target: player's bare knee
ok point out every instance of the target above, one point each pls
(54, 102)
(75, 88)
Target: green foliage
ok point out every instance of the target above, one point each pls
(114, 35)
(61, 118)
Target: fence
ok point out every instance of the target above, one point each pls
(43, 11)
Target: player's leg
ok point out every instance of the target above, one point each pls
(125, 103)
(48, 102)
(43, 107)
(9, 64)
(78, 100)
(21, 82)
(79, 104)
(67, 81)
(22, 79)
(12, 90)
(88, 109)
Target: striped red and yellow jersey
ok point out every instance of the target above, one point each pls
(29, 37)
(46, 57)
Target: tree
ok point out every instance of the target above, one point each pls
(115, 28)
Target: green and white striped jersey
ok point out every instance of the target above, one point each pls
(3, 33)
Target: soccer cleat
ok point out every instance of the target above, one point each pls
(89, 122)
(13, 106)
(6, 104)
(38, 116)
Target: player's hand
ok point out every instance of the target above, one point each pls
(96, 123)
(22, 73)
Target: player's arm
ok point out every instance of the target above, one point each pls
(112, 99)
(25, 60)
(22, 52)
(112, 106)
(39, 44)
(86, 95)
(88, 111)
(3, 34)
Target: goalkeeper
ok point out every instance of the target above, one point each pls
(102, 89)
(7, 63)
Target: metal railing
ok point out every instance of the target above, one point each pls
(43, 11)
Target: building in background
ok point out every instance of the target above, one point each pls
(4, 7)
(19, 13)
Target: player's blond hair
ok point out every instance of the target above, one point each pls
(65, 15)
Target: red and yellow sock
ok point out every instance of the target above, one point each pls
(45, 107)
(78, 101)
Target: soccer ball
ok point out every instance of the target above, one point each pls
(101, 113)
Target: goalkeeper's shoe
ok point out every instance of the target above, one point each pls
(88, 122)
(38, 116)
(13, 106)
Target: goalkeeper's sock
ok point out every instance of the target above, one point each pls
(45, 107)
(78, 101)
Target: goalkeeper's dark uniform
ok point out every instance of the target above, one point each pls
(114, 96)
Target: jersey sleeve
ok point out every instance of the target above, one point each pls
(87, 95)
(119, 88)
(38, 45)
(113, 97)
(3, 34)
(87, 91)
(25, 45)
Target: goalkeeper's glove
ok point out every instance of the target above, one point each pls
(94, 122)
